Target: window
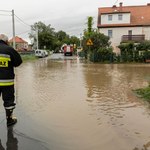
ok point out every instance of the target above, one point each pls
(130, 34)
(110, 33)
(120, 17)
(109, 17)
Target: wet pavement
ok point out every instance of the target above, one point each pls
(64, 103)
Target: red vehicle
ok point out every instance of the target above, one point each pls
(68, 50)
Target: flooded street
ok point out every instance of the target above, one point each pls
(67, 104)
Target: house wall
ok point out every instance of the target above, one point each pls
(125, 19)
(118, 32)
(146, 31)
(21, 46)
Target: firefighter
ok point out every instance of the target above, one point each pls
(9, 58)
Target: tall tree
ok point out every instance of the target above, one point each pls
(61, 35)
(48, 38)
(45, 35)
(100, 43)
(88, 31)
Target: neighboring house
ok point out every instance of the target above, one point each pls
(124, 23)
(21, 45)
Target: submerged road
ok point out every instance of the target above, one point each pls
(64, 103)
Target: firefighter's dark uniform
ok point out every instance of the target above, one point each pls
(9, 58)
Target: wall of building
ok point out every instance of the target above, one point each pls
(146, 31)
(118, 32)
(125, 19)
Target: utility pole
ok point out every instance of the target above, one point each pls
(13, 26)
(37, 37)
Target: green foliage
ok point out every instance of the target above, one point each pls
(61, 35)
(81, 54)
(74, 40)
(129, 53)
(145, 45)
(144, 93)
(126, 47)
(146, 54)
(45, 35)
(89, 25)
(145, 48)
(28, 57)
(100, 50)
(49, 39)
(135, 52)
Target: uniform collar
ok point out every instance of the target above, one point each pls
(1, 41)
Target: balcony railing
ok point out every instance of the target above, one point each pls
(134, 38)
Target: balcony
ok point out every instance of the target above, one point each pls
(133, 38)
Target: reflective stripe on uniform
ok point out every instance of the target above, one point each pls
(6, 82)
(4, 58)
(5, 55)
(10, 107)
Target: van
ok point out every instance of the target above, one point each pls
(41, 53)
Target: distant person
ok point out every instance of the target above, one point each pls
(9, 58)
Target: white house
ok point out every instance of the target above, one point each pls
(124, 23)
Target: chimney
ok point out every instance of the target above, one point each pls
(120, 4)
(114, 6)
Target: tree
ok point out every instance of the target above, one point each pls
(90, 25)
(49, 39)
(45, 35)
(62, 37)
(100, 50)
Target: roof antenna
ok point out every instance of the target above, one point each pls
(116, 2)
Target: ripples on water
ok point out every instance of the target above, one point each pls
(86, 106)
(110, 96)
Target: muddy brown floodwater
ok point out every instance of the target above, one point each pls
(73, 105)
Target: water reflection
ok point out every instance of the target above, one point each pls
(12, 142)
(112, 101)
(109, 87)
(83, 106)
(1, 147)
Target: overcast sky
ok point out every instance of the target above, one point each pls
(67, 15)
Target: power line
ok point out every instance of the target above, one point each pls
(5, 10)
(116, 2)
(22, 21)
(4, 15)
(15, 16)
(23, 32)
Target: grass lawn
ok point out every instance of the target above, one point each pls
(26, 57)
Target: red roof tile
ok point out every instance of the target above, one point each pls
(140, 15)
(17, 40)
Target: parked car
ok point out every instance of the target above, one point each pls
(41, 53)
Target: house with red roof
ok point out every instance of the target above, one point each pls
(124, 23)
(21, 45)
